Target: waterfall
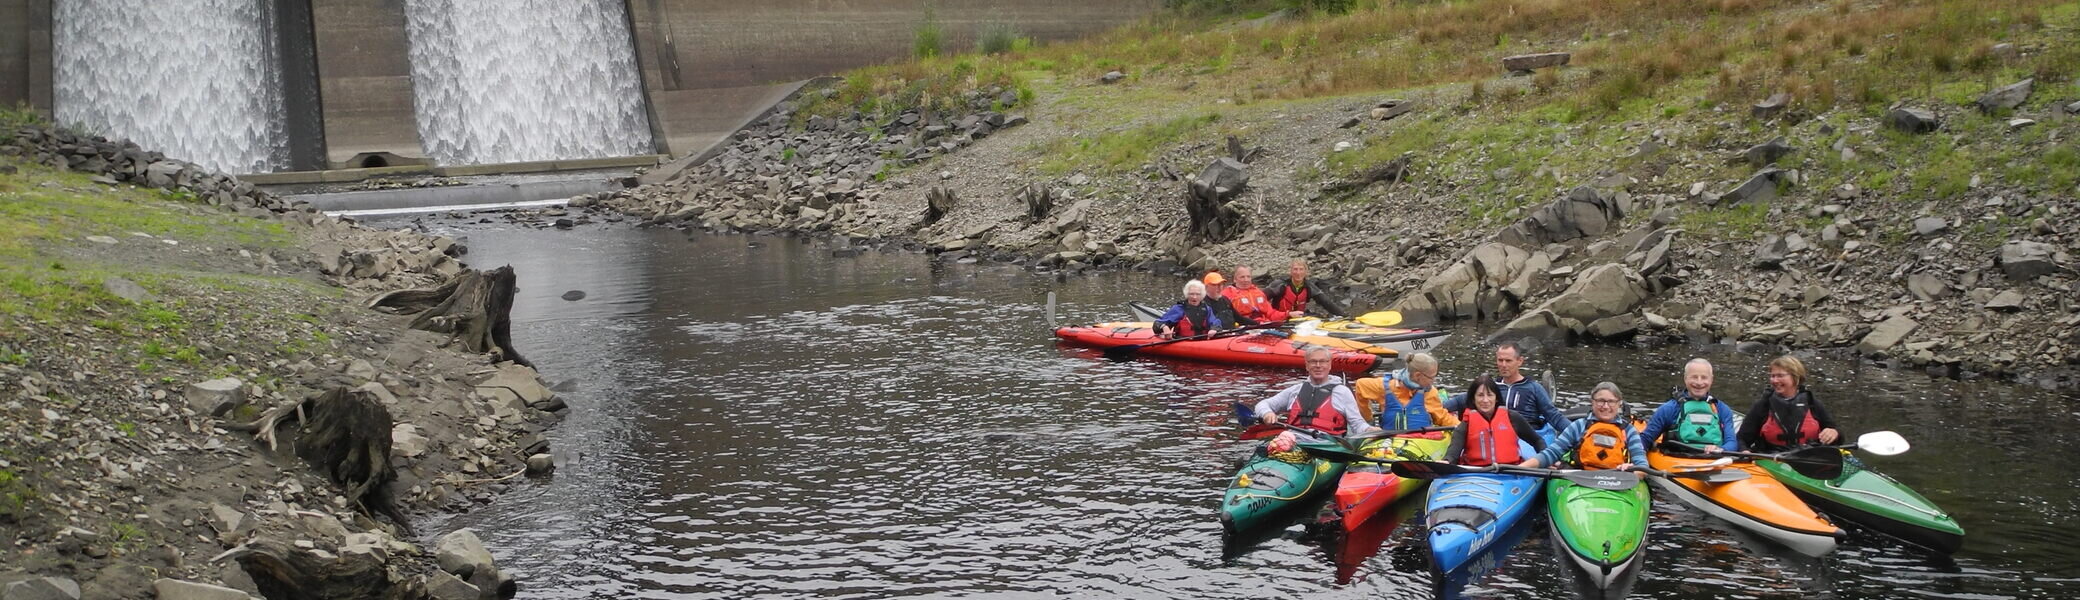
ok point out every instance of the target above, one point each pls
(500, 81)
(195, 79)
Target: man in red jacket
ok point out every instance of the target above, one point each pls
(1249, 300)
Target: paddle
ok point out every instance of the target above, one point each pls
(1602, 480)
(1819, 462)
(1127, 351)
(1381, 318)
(1334, 455)
(1050, 311)
(1711, 472)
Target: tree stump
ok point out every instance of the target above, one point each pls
(1039, 201)
(285, 572)
(474, 308)
(1212, 220)
(937, 203)
(345, 435)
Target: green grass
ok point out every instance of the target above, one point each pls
(1736, 222)
(1120, 150)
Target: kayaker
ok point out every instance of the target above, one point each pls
(1189, 317)
(1293, 294)
(1692, 416)
(1488, 432)
(1217, 297)
(1523, 395)
(1250, 304)
(1322, 402)
(1787, 401)
(1604, 439)
(1405, 399)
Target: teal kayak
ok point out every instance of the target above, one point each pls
(1269, 484)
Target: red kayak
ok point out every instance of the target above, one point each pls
(1247, 348)
(1368, 487)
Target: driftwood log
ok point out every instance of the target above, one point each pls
(283, 572)
(345, 435)
(474, 308)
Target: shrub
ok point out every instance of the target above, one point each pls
(998, 38)
(929, 39)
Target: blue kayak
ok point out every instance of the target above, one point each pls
(1466, 513)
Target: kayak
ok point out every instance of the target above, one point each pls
(1604, 531)
(1270, 483)
(1760, 503)
(1332, 343)
(1466, 512)
(1401, 341)
(1453, 583)
(1246, 348)
(1349, 549)
(1873, 501)
(1368, 487)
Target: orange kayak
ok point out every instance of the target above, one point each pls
(1760, 504)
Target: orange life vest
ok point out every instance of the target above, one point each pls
(1603, 446)
(1252, 304)
(1489, 441)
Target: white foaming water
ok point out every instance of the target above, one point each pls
(194, 79)
(523, 80)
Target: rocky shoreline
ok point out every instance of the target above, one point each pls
(227, 414)
(1617, 259)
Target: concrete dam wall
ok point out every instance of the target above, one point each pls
(280, 85)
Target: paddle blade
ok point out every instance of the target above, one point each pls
(1823, 462)
(1244, 414)
(1602, 480)
(1384, 318)
(1335, 454)
(1050, 311)
(1722, 476)
(1882, 443)
(1121, 353)
(1423, 469)
(1261, 431)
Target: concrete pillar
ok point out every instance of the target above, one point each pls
(365, 79)
(296, 49)
(25, 54)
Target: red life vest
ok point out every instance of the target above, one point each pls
(1808, 431)
(1314, 410)
(1489, 441)
(1291, 300)
(1252, 304)
(1188, 325)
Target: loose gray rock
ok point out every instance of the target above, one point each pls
(1771, 106)
(1762, 187)
(216, 397)
(1538, 324)
(126, 289)
(174, 589)
(1611, 328)
(1927, 226)
(1763, 154)
(2008, 301)
(1531, 62)
(1926, 287)
(1912, 120)
(1111, 77)
(361, 370)
(2073, 108)
(1770, 254)
(461, 553)
(574, 295)
(42, 588)
(1886, 335)
(1584, 212)
(2006, 97)
(2023, 260)
(443, 586)
(540, 464)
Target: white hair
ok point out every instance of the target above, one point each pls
(1698, 362)
(1194, 285)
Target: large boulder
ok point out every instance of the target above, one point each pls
(1762, 187)
(1886, 335)
(1539, 324)
(1912, 120)
(462, 553)
(1584, 212)
(1602, 291)
(2024, 260)
(2006, 97)
(516, 383)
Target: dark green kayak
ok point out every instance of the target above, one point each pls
(1870, 499)
(1267, 485)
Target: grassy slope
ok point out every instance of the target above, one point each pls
(1496, 144)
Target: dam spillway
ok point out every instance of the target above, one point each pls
(193, 78)
(500, 81)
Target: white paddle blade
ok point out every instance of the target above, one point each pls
(1717, 464)
(1882, 443)
(1050, 311)
(1307, 328)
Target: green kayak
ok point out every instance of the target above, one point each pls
(1267, 485)
(1605, 531)
(1876, 502)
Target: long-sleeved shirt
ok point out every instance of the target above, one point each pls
(1570, 439)
(1785, 410)
(1526, 397)
(1516, 422)
(1176, 312)
(1671, 414)
(1373, 395)
(1339, 399)
(1278, 291)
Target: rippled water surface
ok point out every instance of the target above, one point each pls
(755, 417)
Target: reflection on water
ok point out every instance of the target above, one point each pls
(753, 417)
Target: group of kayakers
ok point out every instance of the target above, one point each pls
(1216, 301)
(1496, 411)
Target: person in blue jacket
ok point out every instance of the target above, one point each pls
(1693, 416)
(1603, 439)
(1190, 316)
(1520, 394)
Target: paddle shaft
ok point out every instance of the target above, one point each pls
(1129, 350)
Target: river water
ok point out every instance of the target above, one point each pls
(756, 417)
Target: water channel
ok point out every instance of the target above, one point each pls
(755, 417)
